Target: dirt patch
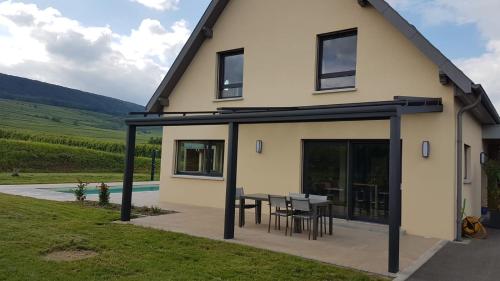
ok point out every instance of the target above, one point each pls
(69, 255)
(136, 211)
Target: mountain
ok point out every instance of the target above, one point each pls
(56, 121)
(23, 89)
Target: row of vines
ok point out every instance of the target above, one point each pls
(142, 150)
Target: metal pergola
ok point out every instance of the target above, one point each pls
(233, 117)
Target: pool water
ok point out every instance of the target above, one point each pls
(112, 189)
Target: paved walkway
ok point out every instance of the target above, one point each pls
(478, 260)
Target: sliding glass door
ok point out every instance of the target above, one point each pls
(325, 172)
(370, 181)
(354, 174)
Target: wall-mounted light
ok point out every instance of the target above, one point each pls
(258, 146)
(483, 158)
(426, 149)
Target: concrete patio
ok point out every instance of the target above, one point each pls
(355, 245)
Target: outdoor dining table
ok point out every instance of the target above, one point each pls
(316, 204)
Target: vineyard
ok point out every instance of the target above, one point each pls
(39, 138)
(142, 150)
(27, 156)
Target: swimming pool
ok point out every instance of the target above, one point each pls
(112, 189)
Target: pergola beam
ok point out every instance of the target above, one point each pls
(179, 121)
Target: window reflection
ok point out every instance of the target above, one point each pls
(337, 66)
(204, 158)
(231, 74)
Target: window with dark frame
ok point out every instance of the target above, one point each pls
(337, 60)
(231, 74)
(467, 162)
(200, 158)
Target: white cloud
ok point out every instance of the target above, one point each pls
(484, 69)
(161, 5)
(43, 44)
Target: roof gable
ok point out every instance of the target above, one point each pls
(204, 31)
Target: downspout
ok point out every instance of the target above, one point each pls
(459, 161)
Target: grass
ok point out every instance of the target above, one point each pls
(32, 228)
(44, 157)
(41, 178)
(46, 119)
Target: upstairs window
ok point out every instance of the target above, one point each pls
(200, 158)
(231, 74)
(337, 60)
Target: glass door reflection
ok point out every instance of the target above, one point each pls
(325, 172)
(370, 181)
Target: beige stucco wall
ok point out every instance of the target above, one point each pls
(190, 190)
(472, 188)
(279, 38)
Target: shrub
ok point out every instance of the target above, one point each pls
(155, 210)
(103, 194)
(155, 140)
(492, 169)
(80, 190)
(15, 173)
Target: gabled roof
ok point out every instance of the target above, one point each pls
(450, 71)
(202, 31)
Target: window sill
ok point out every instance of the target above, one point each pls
(335, 91)
(197, 177)
(228, 99)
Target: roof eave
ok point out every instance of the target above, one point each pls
(457, 76)
(201, 32)
(487, 104)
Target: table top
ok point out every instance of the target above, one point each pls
(265, 197)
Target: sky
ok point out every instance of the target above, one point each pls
(123, 48)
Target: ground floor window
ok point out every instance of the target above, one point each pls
(200, 158)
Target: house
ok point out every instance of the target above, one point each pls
(342, 98)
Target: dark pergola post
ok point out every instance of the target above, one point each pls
(232, 167)
(394, 193)
(153, 164)
(128, 178)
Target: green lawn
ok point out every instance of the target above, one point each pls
(34, 178)
(31, 228)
